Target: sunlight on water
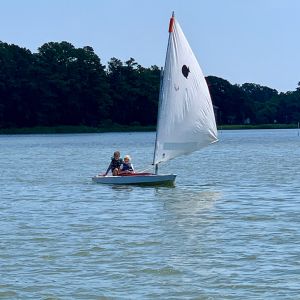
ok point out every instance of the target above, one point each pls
(229, 229)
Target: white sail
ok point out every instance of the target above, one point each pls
(186, 120)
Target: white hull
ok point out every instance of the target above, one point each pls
(151, 179)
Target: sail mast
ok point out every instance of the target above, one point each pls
(171, 26)
(159, 103)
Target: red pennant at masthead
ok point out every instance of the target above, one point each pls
(171, 24)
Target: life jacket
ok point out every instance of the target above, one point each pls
(116, 163)
(127, 167)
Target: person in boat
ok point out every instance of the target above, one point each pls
(127, 166)
(115, 164)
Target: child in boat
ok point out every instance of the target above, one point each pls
(127, 166)
(115, 164)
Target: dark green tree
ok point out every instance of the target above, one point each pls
(230, 100)
(288, 107)
(17, 106)
(73, 85)
(259, 98)
(64, 85)
(134, 91)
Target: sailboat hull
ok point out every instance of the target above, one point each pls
(149, 179)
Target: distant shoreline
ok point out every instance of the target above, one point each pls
(127, 128)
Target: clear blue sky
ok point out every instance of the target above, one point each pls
(239, 40)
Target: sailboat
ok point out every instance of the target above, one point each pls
(186, 120)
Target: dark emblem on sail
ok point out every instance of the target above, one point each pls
(185, 71)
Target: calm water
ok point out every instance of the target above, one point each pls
(229, 229)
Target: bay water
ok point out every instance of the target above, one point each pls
(228, 229)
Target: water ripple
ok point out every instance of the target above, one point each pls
(229, 229)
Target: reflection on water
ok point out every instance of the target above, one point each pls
(122, 188)
(187, 202)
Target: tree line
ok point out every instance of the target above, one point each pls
(64, 85)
